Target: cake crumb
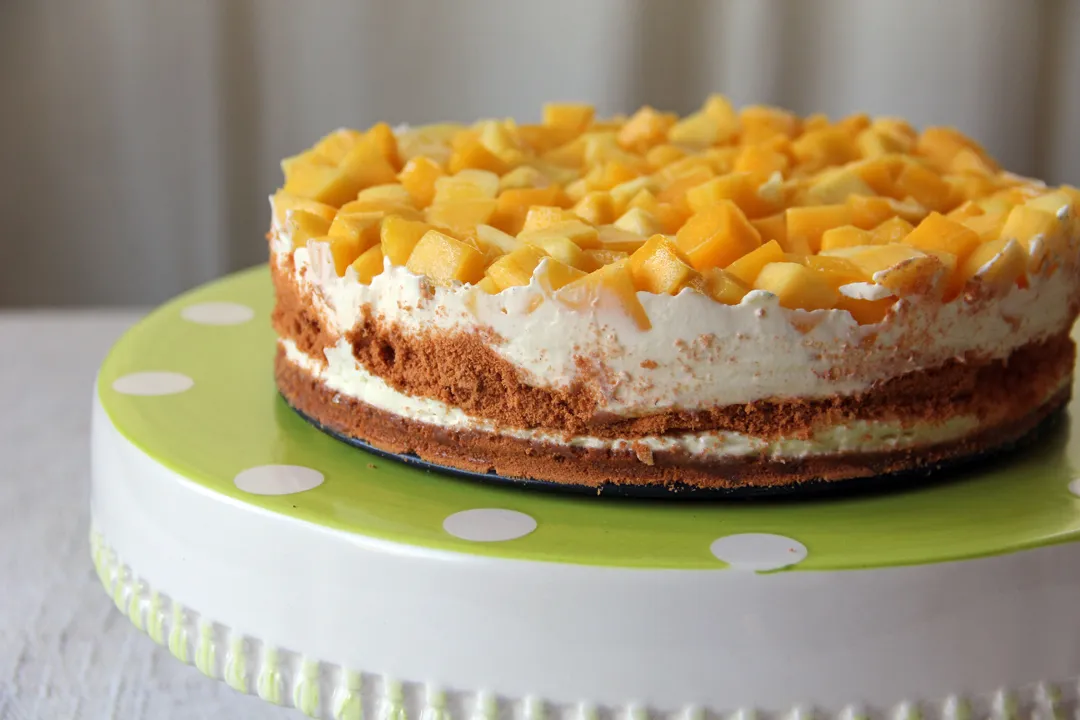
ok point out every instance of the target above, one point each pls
(644, 453)
(649, 364)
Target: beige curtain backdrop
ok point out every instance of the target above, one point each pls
(139, 139)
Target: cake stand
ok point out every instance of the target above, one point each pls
(348, 585)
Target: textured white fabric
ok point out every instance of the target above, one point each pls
(66, 653)
(145, 135)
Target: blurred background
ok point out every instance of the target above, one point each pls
(139, 139)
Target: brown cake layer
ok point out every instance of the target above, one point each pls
(512, 457)
(461, 370)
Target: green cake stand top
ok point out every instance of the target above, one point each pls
(192, 386)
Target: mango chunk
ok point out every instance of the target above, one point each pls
(808, 224)
(446, 259)
(369, 264)
(740, 188)
(747, 268)
(621, 195)
(717, 236)
(866, 312)
(1026, 222)
(835, 186)
(515, 268)
(398, 237)
(554, 275)
(497, 239)
(645, 128)
(998, 265)
(872, 259)
(302, 225)
(845, 236)
(595, 207)
(282, 202)
(836, 271)
(488, 286)
(869, 212)
(1056, 203)
(322, 183)
(897, 130)
(541, 216)
(720, 109)
(721, 286)
(343, 250)
(821, 148)
(572, 116)
(939, 234)
(797, 287)
(924, 185)
(616, 239)
(559, 247)
(468, 184)
(609, 288)
(461, 216)
(663, 155)
(697, 130)
(513, 206)
(892, 230)
(762, 122)
(657, 268)
(601, 256)
(388, 195)
(335, 144)
(524, 176)
(366, 164)
(638, 221)
(774, 227)
(362, 227)
(582, 234)
(872, 143)
(943, 146)
(471, 154)
(987, 226)
(761, 160)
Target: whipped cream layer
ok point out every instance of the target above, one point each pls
(341, 373)
(699, 353)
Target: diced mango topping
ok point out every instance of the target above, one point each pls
(445, 259)
(796, 286)
(657, 267)
(718, 202)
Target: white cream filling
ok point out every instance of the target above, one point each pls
(698, 353)
(343, 374)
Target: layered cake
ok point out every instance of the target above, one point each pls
(736, 298)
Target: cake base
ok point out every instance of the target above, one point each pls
(1048, 428)
(313, 574)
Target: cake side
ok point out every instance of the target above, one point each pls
(934, 356)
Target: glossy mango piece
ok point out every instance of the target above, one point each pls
(658, 268)
(446, 259)
(611, 288)
(398, 237)
(717, 236)
(796, 286)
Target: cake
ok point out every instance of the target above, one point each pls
(734, 299)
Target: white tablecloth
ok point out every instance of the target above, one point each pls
(66, 653)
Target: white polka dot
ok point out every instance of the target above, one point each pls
(758, 551)
(489, 525)
(217, 313)
(152, 383)
(1074, 487)
(278, 479)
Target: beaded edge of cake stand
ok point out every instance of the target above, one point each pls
(324, 690)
